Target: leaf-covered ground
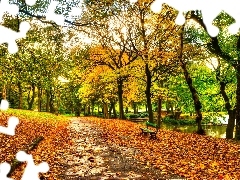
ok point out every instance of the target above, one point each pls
(189, 155)
(53, 128)
(95, 148)
(92, 158)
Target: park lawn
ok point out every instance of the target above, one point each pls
(31, 125)
(189, 155)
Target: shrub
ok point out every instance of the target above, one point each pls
(169, 120)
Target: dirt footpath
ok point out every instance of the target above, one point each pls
(91, 158)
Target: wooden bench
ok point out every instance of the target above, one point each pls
(153, 134)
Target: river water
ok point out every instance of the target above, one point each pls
(218, 131)
(211, 130)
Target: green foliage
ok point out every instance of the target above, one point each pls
(169, 120)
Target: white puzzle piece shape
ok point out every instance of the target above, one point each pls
(210, 10)
(30, 2)
(10, 129)
(31, 171)
(6, 7)
(4, 105)
(9, 36)
(52, 16)
(4, 170)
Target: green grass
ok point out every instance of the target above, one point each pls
(33, 115)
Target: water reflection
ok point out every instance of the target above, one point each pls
(211, 130)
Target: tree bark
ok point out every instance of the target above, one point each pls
(4, 92)
(148, 93)
(231, 112)
(237, 135)
(39, 99)
(47, 100)
(134, 108)
(120, 98)
(20, 96)
(88, 110)
(32, 98)
(114, 111)
(51, 102)
(197, 103)
(159, 111)
(105, 110)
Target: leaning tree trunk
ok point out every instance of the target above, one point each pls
(237, 135)
(231, 112)
(120, 98)
(148, 93)
(197, 103)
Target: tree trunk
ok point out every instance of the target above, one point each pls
(126, 110)
(105, 110)
(148, 93)
(112, 108)
(39, 99)
(231, 112)
(32, 98)
(20, 96)
(159, 111)
(47, 100)
(88, 110)
(4, 92)
(231, 124)
(114, 111)
(167, 107)
(197, 103)
(120, 98)
(51, 103)
(93, 104)
(171, 107)
(84, 110)
(134, 108)
(237, 135)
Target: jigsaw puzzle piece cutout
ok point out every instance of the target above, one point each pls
(31, 171)
(4, 170)
(6, 7)
(4, 105)
(182, 6)
(209, 13)
(10, 129)
(30, 2)
(231, 8)
(52, 16)
(9, 36)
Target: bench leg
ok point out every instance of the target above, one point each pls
(153, 135)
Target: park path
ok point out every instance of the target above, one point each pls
(91, 158)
